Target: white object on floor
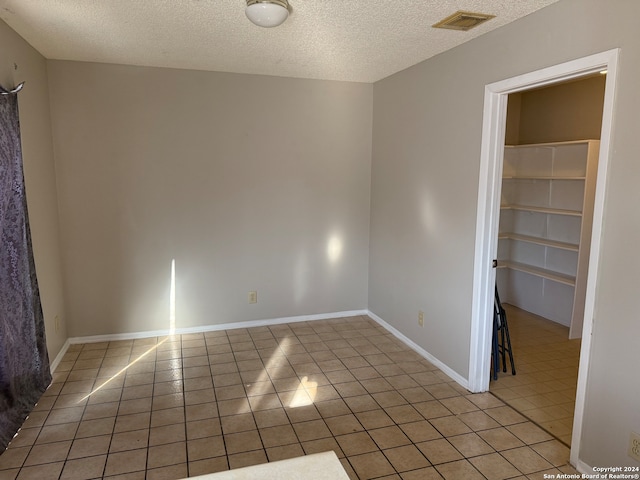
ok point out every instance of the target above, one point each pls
(319, 466)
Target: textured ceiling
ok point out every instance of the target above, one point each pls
(352, 40)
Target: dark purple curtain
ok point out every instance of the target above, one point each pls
(24, 362)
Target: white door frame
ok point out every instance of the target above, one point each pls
(488, 214)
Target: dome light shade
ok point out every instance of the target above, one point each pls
(267, 13)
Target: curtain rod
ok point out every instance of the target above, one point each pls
(11, 92)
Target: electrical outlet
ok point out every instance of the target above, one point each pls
(634, 446)
(253, 297)
(57, 323)
(421, 318)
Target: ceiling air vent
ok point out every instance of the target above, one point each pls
(463, 20)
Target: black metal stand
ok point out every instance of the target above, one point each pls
(501, 341)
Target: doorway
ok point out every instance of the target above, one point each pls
(490, 178)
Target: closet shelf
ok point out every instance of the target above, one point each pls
(540, 241)
(539, 272)
(554, 211)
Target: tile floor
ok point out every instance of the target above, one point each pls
(544, 387)
(172, 407)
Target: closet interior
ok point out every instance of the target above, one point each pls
(550, 168)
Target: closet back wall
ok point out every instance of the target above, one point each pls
(568, 111)
(249, 183)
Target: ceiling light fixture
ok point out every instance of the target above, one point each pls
(267, 13)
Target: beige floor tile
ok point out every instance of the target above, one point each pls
(311, 430)
(283, 452)
(322, 445)
(28, 436)
(209, 465)
(356, 443)
(406, 458)
(500, 438)
(167, 382)
(553, 451)
(64, 415)
(203, 428)
(173, 400)
(165, 455)
(439, 451)
(138, 405)
(230, 392)
(403, 414)
(246, 459)
(494, 467)
(68, 401)
(232, 407)
(344, 424)
(48, 434)
(389, 437)
(389, 398)
(125, 423)
(449, 426)
(529, 433)
(208, 447)
(505, 415)
(458, 470)
(170, 416)
(242, 442)
(458, 405)
(432, 409)
(332, 408)
(428, 473)
(278, 436)
(402, 381)
(84, 468)
(238, 423)
(420, 431)
(48, 453)
(87, 447)
(361, 403)
(526, 460)
(478, 421)
(302, 414)
(126, 462)
(168, 473)
(350, 389)
(167, 434)
(50, 471)
(371, 465)
(374, 419)
(470, 445)
(13, 457)
(271, 418)
(440, 391)
(264, 402)
(138, 391)
(200, 411)
(416, 394)
(130, 440)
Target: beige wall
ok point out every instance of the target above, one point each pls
(426, 152)
(568, 111)
(19, 62)
(246, 181)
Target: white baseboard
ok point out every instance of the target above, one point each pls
(56, 361)
(446, 369)
(584, 468)
(212, 328)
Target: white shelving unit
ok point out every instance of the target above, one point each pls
(545, 228)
